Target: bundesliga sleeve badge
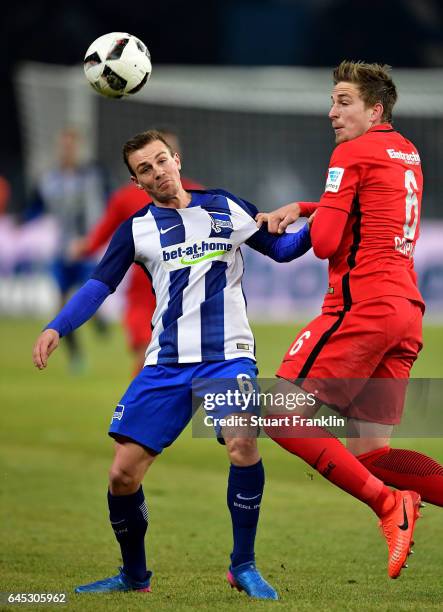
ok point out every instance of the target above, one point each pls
(333, 181)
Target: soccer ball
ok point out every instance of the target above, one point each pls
(117, 64)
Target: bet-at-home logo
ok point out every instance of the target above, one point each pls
(193, 253)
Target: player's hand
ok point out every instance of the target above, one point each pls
(261, 218)
(311, 219)
(77, 249)
(279, 219)
(46, 343)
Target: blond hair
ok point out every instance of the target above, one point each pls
(373, 81)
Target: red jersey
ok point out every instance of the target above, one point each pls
(377, 179)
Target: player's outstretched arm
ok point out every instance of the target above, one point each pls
(81, 307)
(88, 299)
(45, 344)
(278, 220)
(282, 248)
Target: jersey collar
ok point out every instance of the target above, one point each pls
(382, 127)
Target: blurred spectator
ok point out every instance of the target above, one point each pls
(74, 193)
(139, 299)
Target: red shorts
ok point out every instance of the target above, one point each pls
(376, 339)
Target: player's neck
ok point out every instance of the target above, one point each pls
(180, 200)
(376, 123)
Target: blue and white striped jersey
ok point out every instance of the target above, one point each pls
(193, 258)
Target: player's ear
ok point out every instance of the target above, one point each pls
(135, 181)
(178, 160)
(377, 112)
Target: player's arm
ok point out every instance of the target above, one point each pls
(81, 307)
(88, 299)
(327, 231)
(279, 248)
(278, 220)
(283, 248)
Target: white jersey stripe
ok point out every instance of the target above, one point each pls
(238, 334)
(189, 328)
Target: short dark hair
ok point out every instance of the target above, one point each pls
(373, 81)
(139, 141)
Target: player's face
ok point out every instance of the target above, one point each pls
(349, 115)
(156, 170)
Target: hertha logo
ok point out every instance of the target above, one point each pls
(220, 221)
(118, 414)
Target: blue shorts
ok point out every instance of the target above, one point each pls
(68, 274)
(157, 405)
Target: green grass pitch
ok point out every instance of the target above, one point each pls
(319, 547)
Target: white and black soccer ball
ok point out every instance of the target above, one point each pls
(117, 64)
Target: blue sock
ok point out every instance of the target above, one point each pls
(245, 490)
(129, 519)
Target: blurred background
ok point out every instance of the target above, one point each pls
(245, 85)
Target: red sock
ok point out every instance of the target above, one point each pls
(406, 469)
(333, 461)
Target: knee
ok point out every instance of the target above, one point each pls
(122, 481)
(242, 451)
